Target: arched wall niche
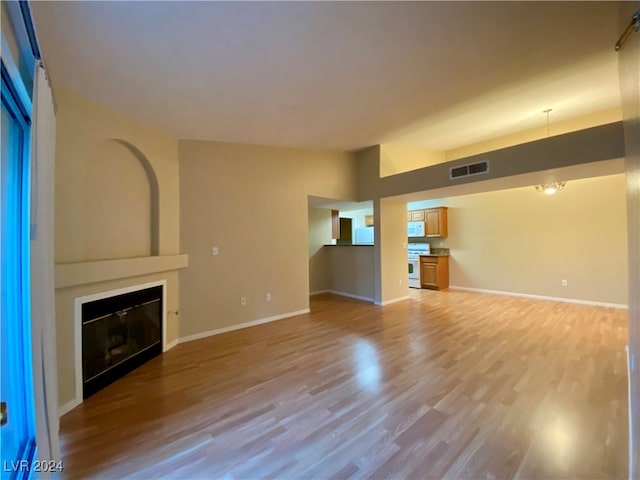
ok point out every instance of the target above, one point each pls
(121, 203)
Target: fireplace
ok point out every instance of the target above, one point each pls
(119, 333)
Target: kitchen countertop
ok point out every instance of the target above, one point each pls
(435, 255)
(352, 245)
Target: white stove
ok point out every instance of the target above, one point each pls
(414, 250)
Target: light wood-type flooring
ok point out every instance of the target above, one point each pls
(447, 384)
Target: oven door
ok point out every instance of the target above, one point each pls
(414, 273)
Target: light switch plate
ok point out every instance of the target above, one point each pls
(214, 250)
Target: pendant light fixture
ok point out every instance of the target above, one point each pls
(553, 187)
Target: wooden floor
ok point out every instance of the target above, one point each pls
(445, 385)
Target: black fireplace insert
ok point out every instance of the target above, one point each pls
(119, 334)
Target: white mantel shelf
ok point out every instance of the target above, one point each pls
(83, 273)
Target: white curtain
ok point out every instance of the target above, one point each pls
(43, 327)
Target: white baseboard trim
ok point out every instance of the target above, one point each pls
(239, 326)
(542, 297)
(393, 300)
(311, 294)
(351, 295)
(171, 344)
(632, 414)
(67, 407)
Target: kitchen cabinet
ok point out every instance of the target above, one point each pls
(368, 220)
(417, 216)
(434, 271)
(436, 222)
(335, 224)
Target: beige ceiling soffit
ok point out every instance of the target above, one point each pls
(574, 172)
(594, 144)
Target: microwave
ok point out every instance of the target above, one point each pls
(415, 229)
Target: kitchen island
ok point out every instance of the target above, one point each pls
(351, 270)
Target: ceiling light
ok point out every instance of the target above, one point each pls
(550, 188)
(553, 187)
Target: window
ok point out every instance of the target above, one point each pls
(17, 436)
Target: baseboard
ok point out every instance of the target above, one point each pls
(542, 297)
(170, 345)
(311, 294)
(67, 407)
(630, 369)
(351, 295)
(240, 326)
(393, 300)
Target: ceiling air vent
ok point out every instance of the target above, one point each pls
(469, 169)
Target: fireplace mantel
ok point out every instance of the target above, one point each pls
(84, 273)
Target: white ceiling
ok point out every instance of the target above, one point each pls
(336, 74)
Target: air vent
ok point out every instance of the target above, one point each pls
(469, 169)
(462, 171)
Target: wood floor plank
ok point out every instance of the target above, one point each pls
(448, 384)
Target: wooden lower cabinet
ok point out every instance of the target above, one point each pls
(434, 272)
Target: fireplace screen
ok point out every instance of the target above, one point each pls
(118, 334)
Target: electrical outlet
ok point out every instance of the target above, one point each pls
(267, 297)
(243, 301)
(214, 250)
(564, 283)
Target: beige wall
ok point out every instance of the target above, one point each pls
(89, 160)
(523, 241)
(251, 202)
(319, 235)
(84, 129)
(390, 250)
(116, 221)
(351, 270)
(396, 158)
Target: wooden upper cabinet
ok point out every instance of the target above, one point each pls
(436, 222)
(335, 224)
(417, 216)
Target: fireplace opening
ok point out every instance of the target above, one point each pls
(119, 334)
